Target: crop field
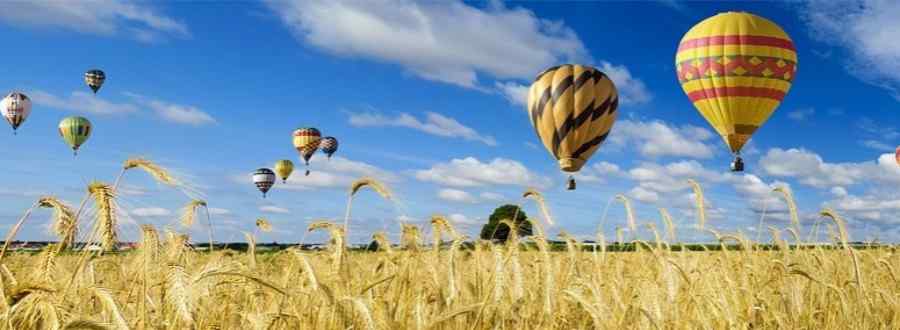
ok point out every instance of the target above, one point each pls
(166, 285)
(445, 281)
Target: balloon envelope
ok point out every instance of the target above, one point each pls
(329, 145)
(15, 108)
(736, 68)
(94, 79)
(75, 131)
(572, 108)
(306, 141)
(264, 179)
(284, 168)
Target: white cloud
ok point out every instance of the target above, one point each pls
(181, 114)
(644, 195)
(880, 209)
(445, 41)
(515, 93)
(868, 30)
(434, 124)
(801, 114)
(456, 195)
(656, 138)
(877, 145)
(110, 17)
(458, 219)
(673, 176)
(150, 212)
(809, 169)
(492, 197)
(272, 209)
(81, 102)
(471, 172)
(219, 211)
(631, 90)
(598, 172)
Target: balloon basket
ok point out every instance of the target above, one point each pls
(737, 165)
(570, 184)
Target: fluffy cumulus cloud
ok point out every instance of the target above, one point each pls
(434, 124)
(108, 17)
(449, 41)
(87, 103)
(456, 195)
(868, 30)
(471, 172)
(810, 169)
(631, 90)
(446, 41)
(598, 172)
(81, 102)
(462, 196)
(657, 138)
(176, 113)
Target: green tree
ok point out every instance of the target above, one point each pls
(495, 230)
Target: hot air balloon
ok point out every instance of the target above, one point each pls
(572, 108)
(306, 141)
(94, 79)
(15, 107)
(329, 145)
(75, 131)
(736, 68)
(264, 178)
(284, 168)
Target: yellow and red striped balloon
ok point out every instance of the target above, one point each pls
(736, 68)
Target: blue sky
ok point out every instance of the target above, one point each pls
(428, 98)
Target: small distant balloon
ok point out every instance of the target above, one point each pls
(329, 145)
(94, 79)
(284, 168)
(75, 131)
(15, 108)
(264, 179)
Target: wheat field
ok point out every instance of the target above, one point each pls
(446, 282)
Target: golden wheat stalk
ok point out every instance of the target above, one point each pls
(629, 212)
(375, 185)
(792, 206)
(410, 237)
(539, 198)
(698, 199)
(105, 201)
(670, 225)
(63, 225)
(15, 229)
(158, 173)
(251, 248)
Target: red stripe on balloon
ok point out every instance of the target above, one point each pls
(737, 40)
(736, 92)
